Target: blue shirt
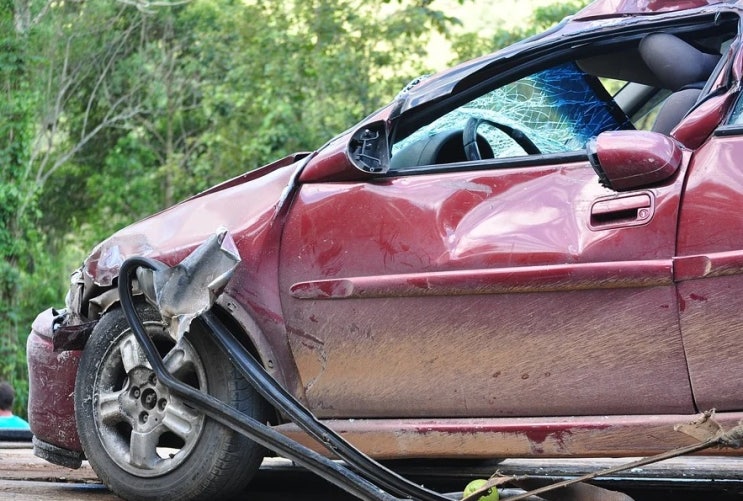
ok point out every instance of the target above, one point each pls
(13, 422)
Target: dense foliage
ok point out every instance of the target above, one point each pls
(114, 109)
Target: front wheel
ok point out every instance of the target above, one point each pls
(146, 443)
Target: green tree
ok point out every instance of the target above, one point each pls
(16, 225)
(174, 100)
(306, 71)
(469, 45)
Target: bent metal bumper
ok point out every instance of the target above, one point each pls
(51, 380)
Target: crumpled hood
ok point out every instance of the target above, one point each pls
(242, 205)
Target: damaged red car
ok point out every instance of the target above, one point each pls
(536, 253)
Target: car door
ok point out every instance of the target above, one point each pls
(513, 286)
(709, 266)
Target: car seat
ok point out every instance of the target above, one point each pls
(680, 68)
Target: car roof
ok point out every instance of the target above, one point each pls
(620, 8)
(598, 15)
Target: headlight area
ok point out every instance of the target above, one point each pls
(51, 384)
(53, 353)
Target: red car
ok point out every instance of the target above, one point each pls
(536, 253)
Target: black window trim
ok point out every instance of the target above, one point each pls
(568, 157)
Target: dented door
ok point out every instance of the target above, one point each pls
(515, 291)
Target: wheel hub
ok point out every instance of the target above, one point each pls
(144, 401)
(145, 429)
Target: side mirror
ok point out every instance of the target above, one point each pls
(628, 160)
(368, 148)
(354, 155)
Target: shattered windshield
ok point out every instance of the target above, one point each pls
(559, 109)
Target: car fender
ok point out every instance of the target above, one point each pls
(252, 209)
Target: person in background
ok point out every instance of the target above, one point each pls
(7, 418)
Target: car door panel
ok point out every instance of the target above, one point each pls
(487, 292)
(710, 273)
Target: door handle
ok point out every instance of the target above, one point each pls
(629, 210)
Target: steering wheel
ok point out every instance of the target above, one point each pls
(469, 137)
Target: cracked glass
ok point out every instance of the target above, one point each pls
(559, 109)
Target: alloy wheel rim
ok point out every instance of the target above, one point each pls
(146, 430)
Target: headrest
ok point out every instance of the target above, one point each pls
(675, 62)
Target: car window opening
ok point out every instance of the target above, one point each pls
(560, 108)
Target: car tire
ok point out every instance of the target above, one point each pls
(143, 442)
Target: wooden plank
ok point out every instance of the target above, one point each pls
(17, 462)
(698, 472)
